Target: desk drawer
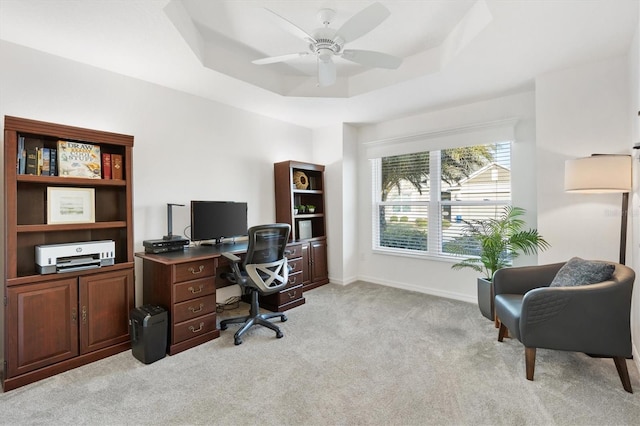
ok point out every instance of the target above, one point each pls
(194, 328)
(193, 270)
(295, 264)
(293, 250)
(192, 289)
(294, 279)
(194, 308)
(285, 296)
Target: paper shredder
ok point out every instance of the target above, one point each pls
(149, 324)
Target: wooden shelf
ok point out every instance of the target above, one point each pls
(313, 247)
(69, 181)
(43, 333)
(70, 227)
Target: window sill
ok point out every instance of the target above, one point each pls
(418, 255)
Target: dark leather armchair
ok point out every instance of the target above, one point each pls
(264, 271)
(592, 318)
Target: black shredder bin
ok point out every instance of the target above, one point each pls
(149, 325)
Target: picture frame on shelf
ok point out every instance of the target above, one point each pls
(70, 205)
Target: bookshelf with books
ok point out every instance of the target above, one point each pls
(85, 315)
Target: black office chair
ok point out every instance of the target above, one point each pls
(264, 271)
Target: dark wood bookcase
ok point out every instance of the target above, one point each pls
(298, 183)
(55, 322)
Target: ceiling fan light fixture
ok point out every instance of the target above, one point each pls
(325, 43)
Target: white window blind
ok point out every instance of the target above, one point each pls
(423, 199)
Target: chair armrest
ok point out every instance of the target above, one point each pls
(592, 318)
(236, 275)
(519, 280)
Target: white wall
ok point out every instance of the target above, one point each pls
(185, 147)
(634, 214)
(336, 147)
(579, 112)
(436, 276)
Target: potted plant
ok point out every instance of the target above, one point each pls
(492, 244)
(311, 208)
(301, 208)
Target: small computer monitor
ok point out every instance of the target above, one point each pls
(215, 220)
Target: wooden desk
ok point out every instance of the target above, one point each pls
(185, 283)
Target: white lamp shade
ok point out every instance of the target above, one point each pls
(598, 173)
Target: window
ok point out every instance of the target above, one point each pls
(422, 199)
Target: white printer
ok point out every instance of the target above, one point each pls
(59, 258)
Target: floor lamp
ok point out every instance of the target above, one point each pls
(602, 173)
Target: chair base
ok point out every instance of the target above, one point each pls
(254, 318)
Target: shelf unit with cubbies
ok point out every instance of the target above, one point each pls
(55, 322)
(298, 183)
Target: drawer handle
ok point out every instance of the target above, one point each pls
(198, 309)
(194, 291)
(194, 272)
(292, 280)
(292, 295)
(74, 314)
(195, 330)
(293, 265)
(84, 314)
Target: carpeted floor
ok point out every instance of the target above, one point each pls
(356, 355)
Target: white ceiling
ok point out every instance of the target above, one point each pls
(454, 51)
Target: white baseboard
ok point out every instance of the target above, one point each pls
(418, 289)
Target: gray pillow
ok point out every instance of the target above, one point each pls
(580, 272)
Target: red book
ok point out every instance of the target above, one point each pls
(116, 166)
(106, 166)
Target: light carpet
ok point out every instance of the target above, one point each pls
(360, 354)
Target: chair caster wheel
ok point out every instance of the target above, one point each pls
(279, 335)
(223, 326)
(237, 342)
(283, 318)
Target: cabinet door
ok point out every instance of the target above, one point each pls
(318, 255)
(105, 302)
(41, 325)
(306, 261)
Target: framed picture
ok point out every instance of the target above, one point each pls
(70, 205)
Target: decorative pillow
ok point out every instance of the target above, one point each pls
(580, 272)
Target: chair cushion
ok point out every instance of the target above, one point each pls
(580, 272)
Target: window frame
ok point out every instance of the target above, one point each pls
(434, 204)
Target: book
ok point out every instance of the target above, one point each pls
(106, 166)
(22, 156)
(116, 166)
(76, 159)
(53, 162)
(31, 167)
(39, 166)
(46, 157)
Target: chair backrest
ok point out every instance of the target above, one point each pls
(265, 262)
(267, 243)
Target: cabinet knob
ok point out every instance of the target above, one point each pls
(194, 272)
(74, 314)
(195, 330)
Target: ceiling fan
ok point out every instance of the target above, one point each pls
(326, 43)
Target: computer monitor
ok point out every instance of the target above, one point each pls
(215, 220)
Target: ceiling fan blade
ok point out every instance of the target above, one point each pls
(281, 58)
(363, 22)
(291, 28)
(372, 59)
(326, 72)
